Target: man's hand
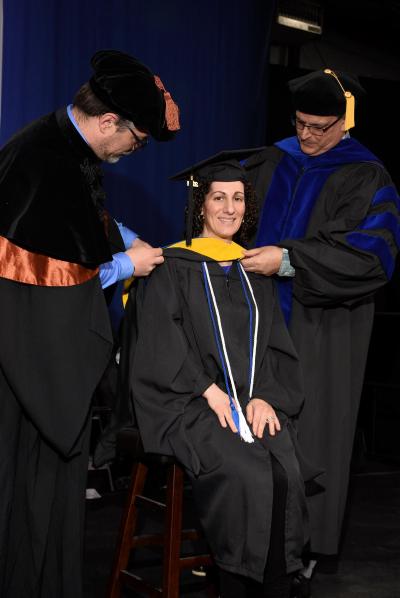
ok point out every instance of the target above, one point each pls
(218, 401)
(144, 257)
(259, 413)
(139, 243)
(263, 260)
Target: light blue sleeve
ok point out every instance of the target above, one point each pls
(128, 236)
(120, 268)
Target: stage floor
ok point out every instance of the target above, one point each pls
(369, 565)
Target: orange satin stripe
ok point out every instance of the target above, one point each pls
(33, 268)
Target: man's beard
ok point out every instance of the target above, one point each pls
(114, 158)
(108, 156)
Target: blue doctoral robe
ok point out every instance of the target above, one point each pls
(338, 215)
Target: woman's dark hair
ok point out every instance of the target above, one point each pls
(249, 223)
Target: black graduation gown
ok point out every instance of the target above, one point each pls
(174, 359)
(338, 214)
(55, 344)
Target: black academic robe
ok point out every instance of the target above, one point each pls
(55, 344)
(174, 358)
(51, 198)
(338, 214)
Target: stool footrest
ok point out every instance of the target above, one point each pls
(134, 582)
(145, 501)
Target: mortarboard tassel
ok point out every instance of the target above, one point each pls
(349, 121)
(190, 208)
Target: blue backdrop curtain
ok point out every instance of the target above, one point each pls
(212, 55)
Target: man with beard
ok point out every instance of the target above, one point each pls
(56, 338)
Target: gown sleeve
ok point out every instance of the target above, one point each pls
(278, 377)
(353, 251)
(167, 371)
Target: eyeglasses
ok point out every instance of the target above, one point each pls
(313, 129)
(139, 143)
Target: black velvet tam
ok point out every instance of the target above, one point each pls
(320, 93)
(129, 88)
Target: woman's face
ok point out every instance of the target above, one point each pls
(223, 209)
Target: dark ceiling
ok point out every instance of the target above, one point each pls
(371, 23)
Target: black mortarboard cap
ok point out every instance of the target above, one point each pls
(326, 93)
(225, 166)
(130, 89)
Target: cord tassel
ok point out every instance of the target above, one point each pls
(244, 430)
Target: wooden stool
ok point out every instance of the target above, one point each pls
(171, 539)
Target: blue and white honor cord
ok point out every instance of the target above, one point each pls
(236, 408)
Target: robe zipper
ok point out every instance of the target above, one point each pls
(228, 286)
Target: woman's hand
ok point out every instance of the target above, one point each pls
(218, 401)
(260, 413)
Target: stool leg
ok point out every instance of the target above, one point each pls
(126, 533)
(172, 547)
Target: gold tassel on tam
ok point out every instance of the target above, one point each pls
(349, 121)
(171, 109)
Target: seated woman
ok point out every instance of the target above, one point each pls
(215, 380)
